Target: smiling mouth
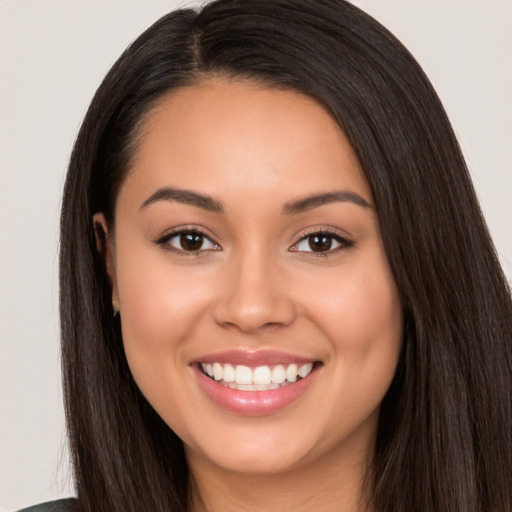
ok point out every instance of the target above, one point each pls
(259, 378)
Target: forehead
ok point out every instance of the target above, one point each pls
(239, 137)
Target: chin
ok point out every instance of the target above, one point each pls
(255, 458)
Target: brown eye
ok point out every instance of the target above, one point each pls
(191, 241)
(187, 241)
(320, 242)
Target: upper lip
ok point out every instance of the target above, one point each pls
(252, 358)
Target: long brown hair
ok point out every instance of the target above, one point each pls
(444, 440)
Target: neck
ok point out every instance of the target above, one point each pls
(334, 483)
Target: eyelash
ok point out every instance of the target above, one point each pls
(165, 240)
(344, 243)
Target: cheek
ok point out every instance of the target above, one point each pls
(360, 312)
(160, 305)
(148, 306)
(362, 319)
(360, 307)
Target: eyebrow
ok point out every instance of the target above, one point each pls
(185, 197)
(316, 200)
(210, 204)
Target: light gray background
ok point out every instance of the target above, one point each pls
(53, 54)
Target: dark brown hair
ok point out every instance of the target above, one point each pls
(444, 440)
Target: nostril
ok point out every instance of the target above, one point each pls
(266, 314)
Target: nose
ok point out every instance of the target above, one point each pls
(254, 295)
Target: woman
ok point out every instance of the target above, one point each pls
(308, 310)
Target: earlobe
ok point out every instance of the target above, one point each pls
(104, 245)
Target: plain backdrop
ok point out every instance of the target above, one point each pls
(53, 54)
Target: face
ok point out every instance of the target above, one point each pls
(259, 314)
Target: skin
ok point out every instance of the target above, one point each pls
(257, 285)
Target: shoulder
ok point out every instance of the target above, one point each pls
(66, 505)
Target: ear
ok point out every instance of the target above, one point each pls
(105, 247)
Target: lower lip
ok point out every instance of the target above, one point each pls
(253, 402)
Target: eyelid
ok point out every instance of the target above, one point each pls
(340, 236)
(173, 232)
(335, 233)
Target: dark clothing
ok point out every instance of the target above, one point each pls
(66, 505)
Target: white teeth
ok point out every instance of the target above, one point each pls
(255, 379)
(278, 374)
(243, 375)
(291, 373)
(305, 369)
(262, 375)
(218, 371)
(252, 387)
(229, 373)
